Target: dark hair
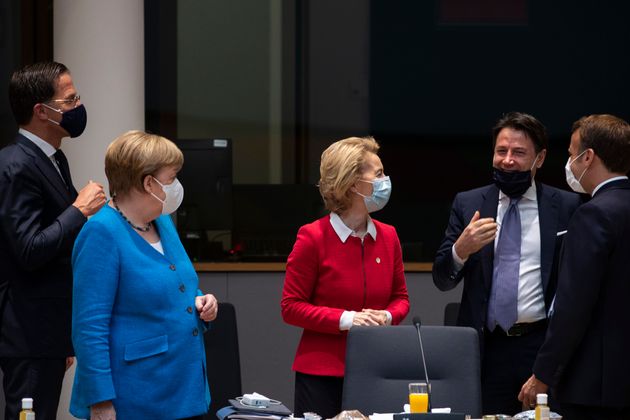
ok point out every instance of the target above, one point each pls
(33, 84)
(525, 123)
(609, 137)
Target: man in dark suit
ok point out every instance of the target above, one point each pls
(509, 272)
(41, 214)
(585, 356)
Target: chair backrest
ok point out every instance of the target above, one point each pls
(222, 359)
(451, 312)
(382, 361)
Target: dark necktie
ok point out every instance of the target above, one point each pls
(502, 308)
(64, 168)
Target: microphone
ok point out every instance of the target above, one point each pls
(417, 323)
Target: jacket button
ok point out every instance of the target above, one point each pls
(172, 267)
(195, 332)
(189, 310)
(182, 288)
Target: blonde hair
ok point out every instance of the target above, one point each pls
(341, 167)
(136, 154)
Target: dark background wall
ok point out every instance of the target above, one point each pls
(443, 71)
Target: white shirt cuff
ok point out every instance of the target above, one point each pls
(345, 322)
(457, 261)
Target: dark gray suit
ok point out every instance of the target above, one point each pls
(38, 226)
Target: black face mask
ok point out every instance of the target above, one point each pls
(73, 121)
(513, 184)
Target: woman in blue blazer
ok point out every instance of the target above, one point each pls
(138, 316)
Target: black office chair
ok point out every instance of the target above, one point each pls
(222, 359)
(451, 311)
(382, 361)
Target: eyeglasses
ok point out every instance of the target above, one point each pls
(70, 101)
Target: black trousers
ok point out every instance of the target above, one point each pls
(40, 379)
(507, 364)
(583, 412)
(317, 394)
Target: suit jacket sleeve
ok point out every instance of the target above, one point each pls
(33, 241)
(299, 285)
(95, 287)
(445, 275)
(583, 267)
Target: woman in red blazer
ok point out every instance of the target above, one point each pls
(345, 269)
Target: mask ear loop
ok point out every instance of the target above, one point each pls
(577, 157)
(151, 192)
(535, 160)
(585, 169)
(54, 109)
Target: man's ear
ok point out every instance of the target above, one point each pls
(39, 112)
(541, 158)
(589, 155)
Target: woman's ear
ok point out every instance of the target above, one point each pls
(146, 183)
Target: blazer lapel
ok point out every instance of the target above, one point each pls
(489, 209)
(46, 167)
(548, 221)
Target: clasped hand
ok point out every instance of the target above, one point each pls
(207, 307)
(370, 317)
(90, 199)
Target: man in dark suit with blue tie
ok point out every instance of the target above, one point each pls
(586, 355)
(502, 241)
(41, 214)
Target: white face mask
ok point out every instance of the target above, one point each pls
(571, 180)
(174, 196)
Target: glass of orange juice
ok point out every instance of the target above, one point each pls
(418, 397)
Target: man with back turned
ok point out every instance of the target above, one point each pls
(41, 214)
(502, 240)
(585, 355)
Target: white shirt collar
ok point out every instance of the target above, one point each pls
(617, 178)
(530, 194)
(344, 231)
(46, 147)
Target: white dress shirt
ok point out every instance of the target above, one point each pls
(531, 300)
(343, 231)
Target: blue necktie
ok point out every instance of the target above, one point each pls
(502, 308)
